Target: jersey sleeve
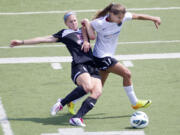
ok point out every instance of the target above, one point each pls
(96, 24)
(58, 35)
(128, 16)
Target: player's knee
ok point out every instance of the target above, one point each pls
(88, 87)
(127, 74)
(97, 93)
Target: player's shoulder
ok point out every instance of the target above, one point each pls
(99, 20)
(66, 32)
(60, 31)
(128, 14)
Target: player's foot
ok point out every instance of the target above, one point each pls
(77, 122)
(71, 106)
(142, 104)
(56, 107)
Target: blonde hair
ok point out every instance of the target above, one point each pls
(112, 8)
(67, 14)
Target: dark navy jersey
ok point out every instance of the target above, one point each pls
(73, 41)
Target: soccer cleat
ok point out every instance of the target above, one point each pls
(56, 107)
(142, 104)
(71, 106)
(77, 122)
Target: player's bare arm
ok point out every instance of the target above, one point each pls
(155, 19)
(90, 30)
(86, 45)
(37, 40)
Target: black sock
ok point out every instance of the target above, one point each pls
(86, 106)
(75, 94)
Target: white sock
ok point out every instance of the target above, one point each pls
(131, 94)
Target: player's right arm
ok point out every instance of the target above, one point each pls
(86, 44)
(89, 28)
(37, 40)
(155, 19)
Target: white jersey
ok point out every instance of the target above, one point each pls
(107, 35)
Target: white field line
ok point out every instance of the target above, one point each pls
(148, 56)
(138, 132)
(50, 134)
(6, 128)
(34, 46)
(56, 66)
(150, 42)
(128, 63)
(80, 131)
(56, 59)
(71, 131)
(59, 59)
(86, 11)
(119, 43)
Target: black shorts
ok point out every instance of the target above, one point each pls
(104, 63)
(78, 69)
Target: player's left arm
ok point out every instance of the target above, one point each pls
(155, 19)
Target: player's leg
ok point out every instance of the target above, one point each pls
(80, 77)
(78, 92)
(88, 103)
(104, 75)
(82, 80)
(84, 83)
(123, 71)
(95, 89)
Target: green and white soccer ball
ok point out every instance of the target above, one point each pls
(139, 119)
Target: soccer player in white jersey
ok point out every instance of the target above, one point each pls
(107, 24)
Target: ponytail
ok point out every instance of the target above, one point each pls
(103, 12)
(113, 8)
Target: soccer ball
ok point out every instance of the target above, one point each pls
(139, 119)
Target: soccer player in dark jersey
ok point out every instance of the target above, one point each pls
(84, 73)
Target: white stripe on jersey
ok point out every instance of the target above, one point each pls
(68, 31)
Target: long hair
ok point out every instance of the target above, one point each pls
(113, 8)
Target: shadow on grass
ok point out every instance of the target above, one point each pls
(129, 128)
(101, 116)
(63, 119)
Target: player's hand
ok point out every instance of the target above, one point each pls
(84, 22)
(157, 22)
(16, 43)
(86, 46)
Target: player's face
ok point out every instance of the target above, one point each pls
(116, 18)
(72, 22)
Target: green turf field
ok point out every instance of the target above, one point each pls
(28, 91)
